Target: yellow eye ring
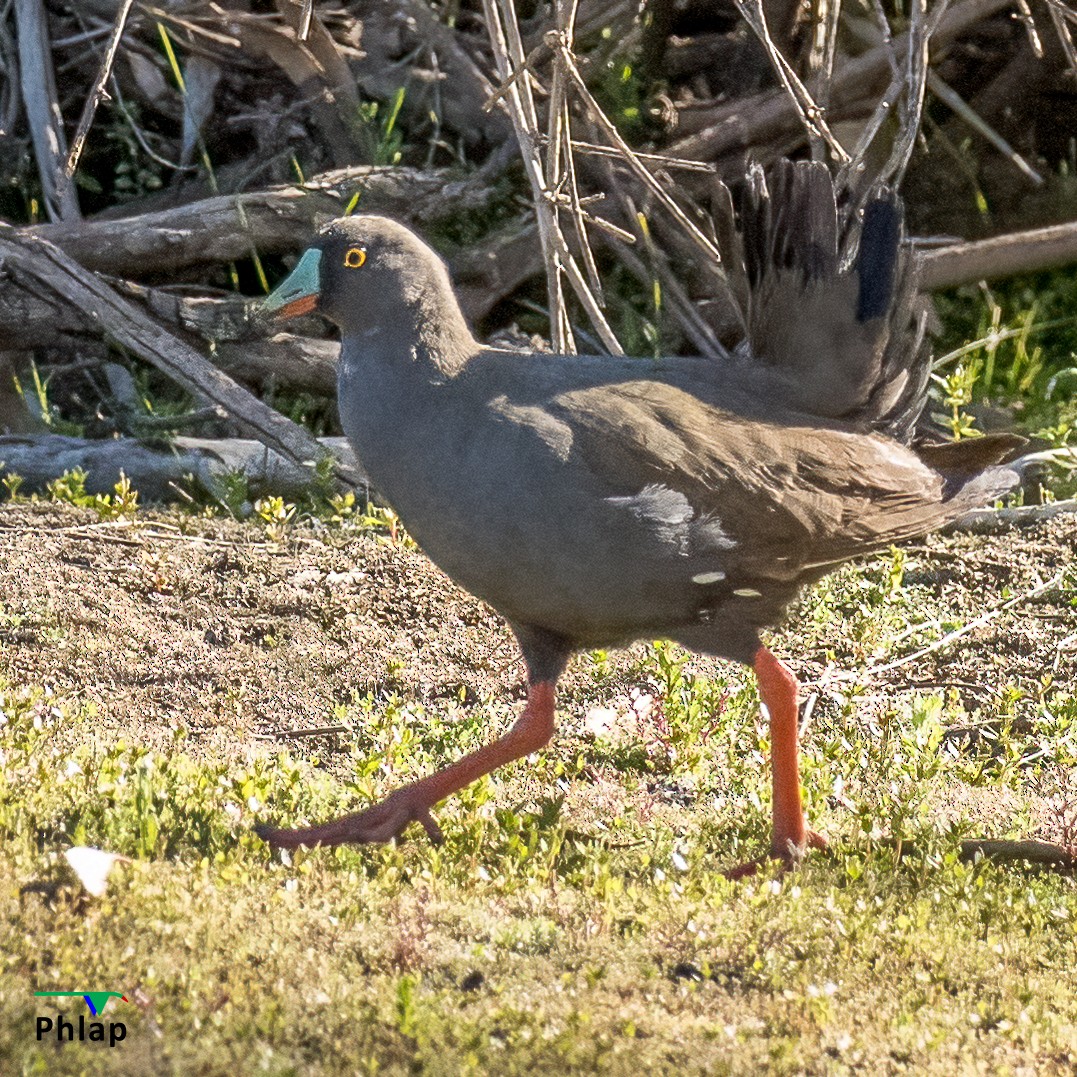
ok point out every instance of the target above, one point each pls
(355, 257)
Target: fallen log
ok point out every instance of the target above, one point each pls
(271, 221)
(160, 471)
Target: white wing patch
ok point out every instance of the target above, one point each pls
(666, 510)
(710, 530)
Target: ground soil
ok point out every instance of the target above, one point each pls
(176, 621)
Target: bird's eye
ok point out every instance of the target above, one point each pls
(355, 257)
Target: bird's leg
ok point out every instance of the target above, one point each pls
(790, 837)
(412, 803)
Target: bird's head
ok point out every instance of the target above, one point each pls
(360, 273)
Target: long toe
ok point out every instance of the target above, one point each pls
(382, 822)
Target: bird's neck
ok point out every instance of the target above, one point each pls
(444, 340)
(416, 346)
(418, 332)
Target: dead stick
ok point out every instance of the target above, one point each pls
(38, 85)
(1002, 256)
(991, 521)
(1026, 850)
(320, 732)
(1034, 852)
(90, 108)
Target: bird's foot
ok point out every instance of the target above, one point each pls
(786, 851)
(382, 822)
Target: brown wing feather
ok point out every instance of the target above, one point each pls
(791, 497)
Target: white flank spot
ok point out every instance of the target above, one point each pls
(747, 592)
(708, 577)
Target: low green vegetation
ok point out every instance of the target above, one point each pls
(577, 918)
(1011, 349)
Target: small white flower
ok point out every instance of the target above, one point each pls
(92, 866)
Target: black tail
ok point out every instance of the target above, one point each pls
(832, 312)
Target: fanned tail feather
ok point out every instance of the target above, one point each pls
(830, 297)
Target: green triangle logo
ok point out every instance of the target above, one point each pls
(96, 1000)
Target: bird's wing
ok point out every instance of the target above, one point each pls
(788, 496)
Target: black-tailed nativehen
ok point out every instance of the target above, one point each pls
(595, 500)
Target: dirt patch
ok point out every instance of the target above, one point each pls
(181, 621)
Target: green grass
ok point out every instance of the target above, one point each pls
(576, 918)
(1014, 344)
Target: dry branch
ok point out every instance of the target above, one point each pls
(1001, 256)
(514, 70)
(1041, 853)
(43, 109)
(771, 118)
(95, 96)
(276, 220)
(993, 521)
(958, 633)
(1029, 851)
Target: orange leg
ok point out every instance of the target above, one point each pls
(790, 837)
(412, 803)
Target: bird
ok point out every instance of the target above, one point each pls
(594, 500)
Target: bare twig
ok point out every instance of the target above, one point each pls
(286, 734)
(906, 86)
(1061, 15)
(561, 130)
(811, 114)
(659, 160)
(952, 637)
(510, 59)
(771, 116)
(97, 92)
(827, 19)
(694, 327)
(628, 156)
(919, 37)
(1024, 13)
(954, 101)
(692, 323)
(512, 64)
